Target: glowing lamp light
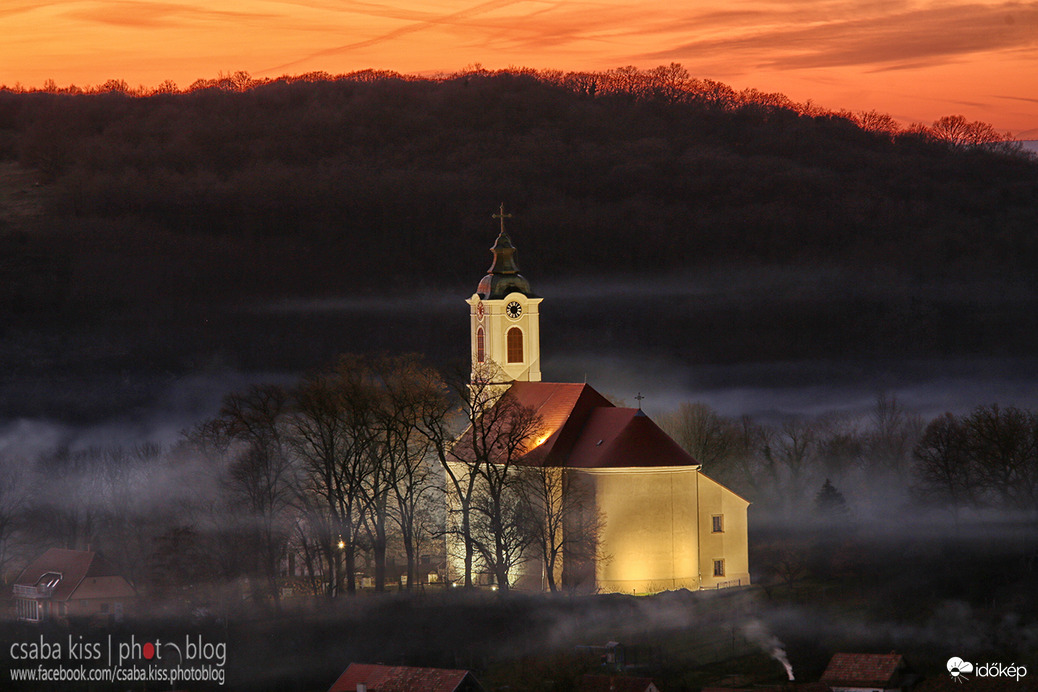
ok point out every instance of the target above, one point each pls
(342, 544)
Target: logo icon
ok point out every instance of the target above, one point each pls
(957, 668)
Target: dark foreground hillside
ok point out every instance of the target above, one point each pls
(926, 594)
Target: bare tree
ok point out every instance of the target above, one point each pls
(413, 392)
(789, 457)
(498, 437)
(564, 522)
(318, 435)
(962, 133)
(874, 121)
(1003, 448)
(669, 82)
(987, 457)
(262, 478)
(333, 431)
(480, 469)
(439, 424)
(13, 496)
(892, 435)
(720, 444)
(943, 473)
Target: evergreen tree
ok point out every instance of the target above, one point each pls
(830, 503)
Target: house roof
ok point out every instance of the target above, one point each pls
(104, 587)
(866, 670)
(582, 429)
(379, 678)
(616, 683)
(75, 566)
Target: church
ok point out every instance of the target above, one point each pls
(663, 524)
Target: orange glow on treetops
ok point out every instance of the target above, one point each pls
(916, 60)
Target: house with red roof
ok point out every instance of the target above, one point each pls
(867, 673)
(663, 523)
(65, 584)
(363, 677)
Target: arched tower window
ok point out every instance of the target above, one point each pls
(481, 351)
(515, 345)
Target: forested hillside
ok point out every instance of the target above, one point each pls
(138, 231)
(395, 178)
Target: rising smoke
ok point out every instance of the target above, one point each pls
(756, 632)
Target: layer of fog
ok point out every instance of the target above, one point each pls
(173, 408)
(771, 392)
(767, 392)
(623, 335)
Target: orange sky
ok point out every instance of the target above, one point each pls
(915, 60)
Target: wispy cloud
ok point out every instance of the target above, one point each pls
(149, 15)
(887, 40)
(1017, 98)
(10, 9)
(431, 20)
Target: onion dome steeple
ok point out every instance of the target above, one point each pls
(503, 276)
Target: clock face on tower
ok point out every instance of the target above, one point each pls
(513, 310)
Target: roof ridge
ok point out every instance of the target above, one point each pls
(86, 571)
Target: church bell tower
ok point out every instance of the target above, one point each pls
(504, 317)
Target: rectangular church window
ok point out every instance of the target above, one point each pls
(718, 568)
(718, 523)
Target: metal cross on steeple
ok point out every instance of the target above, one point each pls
(639, 398)
(502, 215)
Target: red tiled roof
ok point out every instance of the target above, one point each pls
(380, 678)
(563, 409)
(73, 566)
(104, 587)
(620, 437)
(582, 429)
(615, 683)
(866, 670)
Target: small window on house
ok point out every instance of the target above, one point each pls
(515, 345)
(481, 351)
(718, 568)
(718, 523)
(28, 610)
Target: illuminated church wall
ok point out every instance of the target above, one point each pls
(730, 543)
(649, 538)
